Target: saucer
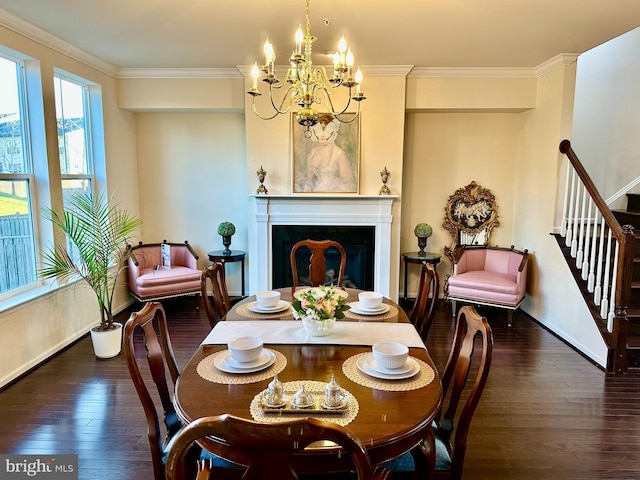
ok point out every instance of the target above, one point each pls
(278, 307)
(341, 406)
(266, 404)
(225, 363)
(356, 308)
(406, 368)
(339, 292)
(361, 363)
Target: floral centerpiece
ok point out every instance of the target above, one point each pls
(319, 308)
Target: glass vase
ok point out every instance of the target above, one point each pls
(318, 328)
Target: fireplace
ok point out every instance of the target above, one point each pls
(326, 211)
(358, 242)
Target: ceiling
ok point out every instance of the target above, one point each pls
(422, 33)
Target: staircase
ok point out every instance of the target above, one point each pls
(631, 216)
(602, 250)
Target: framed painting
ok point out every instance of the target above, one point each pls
(327, 160)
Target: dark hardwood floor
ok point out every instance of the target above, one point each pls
(546, 413)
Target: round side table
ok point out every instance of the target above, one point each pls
(218, 256)
(415, 257)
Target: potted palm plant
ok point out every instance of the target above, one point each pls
(99, 233)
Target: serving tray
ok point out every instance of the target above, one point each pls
(317, 407)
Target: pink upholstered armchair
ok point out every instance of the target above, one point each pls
(491, 276)
(149, 281)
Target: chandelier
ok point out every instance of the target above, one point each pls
(307, 84)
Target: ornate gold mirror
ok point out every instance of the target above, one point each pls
(469, 216)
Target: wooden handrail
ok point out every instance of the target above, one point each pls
(624, 235)
(610, 220)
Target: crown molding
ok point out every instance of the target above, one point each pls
(178, 73)
(367, 70)
(20, 26)
(472, 72)
(562, 60)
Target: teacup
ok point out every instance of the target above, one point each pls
(370, 300)
(245, 349)
(268, 298)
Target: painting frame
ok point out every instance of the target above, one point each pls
(328, 160)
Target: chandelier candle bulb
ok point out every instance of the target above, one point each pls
(358, 80)
(299, 41)
(254, 74)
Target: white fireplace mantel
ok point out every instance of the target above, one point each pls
(312, 209)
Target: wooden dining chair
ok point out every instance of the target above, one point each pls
(160, 359)
(219, 305)
(317, 262)
(470, 352)
(423, 307)
(267, 448)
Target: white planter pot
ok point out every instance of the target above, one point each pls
(107, 344)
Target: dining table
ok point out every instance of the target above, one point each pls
(390, 413)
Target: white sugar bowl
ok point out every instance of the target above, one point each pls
(303, 398)
(370, 300)
(245, 349)
(390, 354)
(268, 298)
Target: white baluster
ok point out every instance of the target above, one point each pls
(587, 243)
(592, 278)
(581, 235)
(606, 281)
(574, 239)
(614, 283)
(569, 236)
(563, 226)
(597, 294)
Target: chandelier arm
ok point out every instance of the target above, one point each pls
(356, 115)
(280, 110)
(255, 110)
(329, 100)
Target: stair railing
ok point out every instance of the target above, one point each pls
(603, 251)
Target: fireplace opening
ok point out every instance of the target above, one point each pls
(358, 243)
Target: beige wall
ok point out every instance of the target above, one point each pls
(36, 329)
(554, 299)
(446, 151)
(192, 177)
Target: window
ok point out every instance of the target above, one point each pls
(73, 98)
(25, 185)
(74, 134)
(17, 241)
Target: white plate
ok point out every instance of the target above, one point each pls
(356, 308)
(406, 368)
(341, 293)
(278, 307)
(361, 363)
(224, 363)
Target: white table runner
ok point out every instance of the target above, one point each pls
(292, 332)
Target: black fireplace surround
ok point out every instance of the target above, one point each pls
(358, 242)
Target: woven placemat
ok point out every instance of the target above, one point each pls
(317, 388)
(392, 313)
(421, 379)
(207, 370)
(245, 312)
